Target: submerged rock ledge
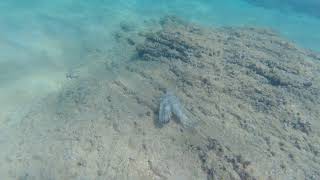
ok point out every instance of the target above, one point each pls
(254, 95)
(250, 81)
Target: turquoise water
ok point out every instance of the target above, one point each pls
(40, 41)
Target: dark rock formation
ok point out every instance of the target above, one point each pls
(248, 78)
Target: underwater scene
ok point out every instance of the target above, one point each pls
(160, 90)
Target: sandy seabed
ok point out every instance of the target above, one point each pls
(254, 98)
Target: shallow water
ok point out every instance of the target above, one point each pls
(46, 45)
(41, 40)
